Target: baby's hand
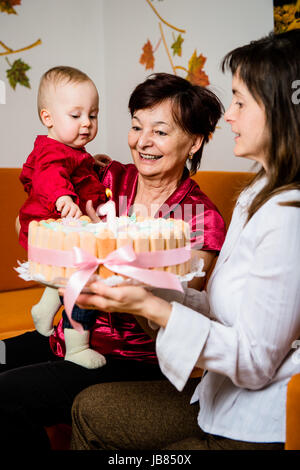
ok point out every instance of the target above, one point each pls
(67, 207)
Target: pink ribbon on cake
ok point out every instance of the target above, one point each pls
(123, 261)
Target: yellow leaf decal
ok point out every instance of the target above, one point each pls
(294, 25)
(196, 75)
(286, 17)
(147, 58)
(176, 46)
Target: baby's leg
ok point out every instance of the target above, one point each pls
(78, 349)
(44, 312)
(77, 344)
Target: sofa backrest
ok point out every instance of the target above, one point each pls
(223, 188)
(12, 196)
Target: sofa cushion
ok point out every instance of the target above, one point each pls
(15, 311)
(12, 196)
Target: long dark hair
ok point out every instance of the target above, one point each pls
(195, 109)
(270, 68)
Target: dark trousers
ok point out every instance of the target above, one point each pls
(37, 389)
(86, 317)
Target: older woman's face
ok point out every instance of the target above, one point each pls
(159, 147)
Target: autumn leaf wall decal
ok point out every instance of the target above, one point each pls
(176, 46)
(196, 74)
(16, 74)
(7, 6)
(147, 58)
(194, 71)
(286, 15)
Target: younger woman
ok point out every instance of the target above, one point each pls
(242, 329)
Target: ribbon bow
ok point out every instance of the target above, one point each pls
(126, 262)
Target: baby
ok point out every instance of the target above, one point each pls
(59, 177)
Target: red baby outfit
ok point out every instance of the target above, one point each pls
(52, 170)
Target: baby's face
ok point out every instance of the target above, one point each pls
(74, 113)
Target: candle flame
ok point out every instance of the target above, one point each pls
(108, 192)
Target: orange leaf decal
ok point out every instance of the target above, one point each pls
(196, 74)
(147, 58)
(7, 6)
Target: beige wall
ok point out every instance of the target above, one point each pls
(105, 39)
(72, 34)
(212, 26)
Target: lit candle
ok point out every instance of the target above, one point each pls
(109, 209)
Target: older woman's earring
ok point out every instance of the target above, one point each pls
(190, 156)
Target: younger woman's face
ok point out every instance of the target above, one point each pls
(248, 121)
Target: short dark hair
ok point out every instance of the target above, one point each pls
(268, 67)
(195, 108)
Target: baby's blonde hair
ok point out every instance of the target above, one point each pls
(56, 76)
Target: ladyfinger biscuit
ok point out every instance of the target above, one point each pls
(87, 242)
(123, 239)
(170, 243)
(140, 243)
(180, 268)
(71, 239)
(106, 243)
(183, 228)
(156, 244)
(56, 242)
(39, 244)
(32, 236)
(46, 269)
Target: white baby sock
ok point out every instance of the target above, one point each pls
(44, 312)
(79, 351)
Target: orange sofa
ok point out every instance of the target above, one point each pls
(17, 296)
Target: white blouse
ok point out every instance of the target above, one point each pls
(241, 331)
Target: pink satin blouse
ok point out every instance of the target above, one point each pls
(120, 335)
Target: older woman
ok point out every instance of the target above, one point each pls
(242, 330)
(171, 121)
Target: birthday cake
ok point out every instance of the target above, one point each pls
(50, 241)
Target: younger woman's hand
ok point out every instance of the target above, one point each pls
(118, 299)
(126, 299)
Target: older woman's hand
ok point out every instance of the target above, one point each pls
(101, 159)
(126, 299)
(90, 211)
